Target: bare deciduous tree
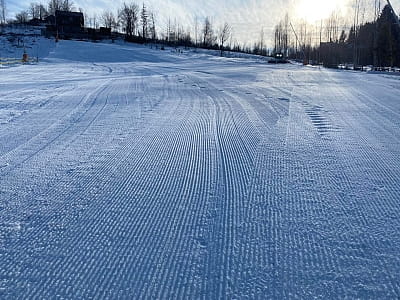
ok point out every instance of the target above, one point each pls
(108, 20)
(223, 35)
(196, 30)
(95, 23)
(67, 5)
(128, 16)
(2, 12)
(43, 13)
(262, 42)
(55, 5)
(34, 11)
(22, 17)
(282, 38)
(208, 33)
(332, 29)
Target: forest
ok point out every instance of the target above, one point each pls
(373, 43)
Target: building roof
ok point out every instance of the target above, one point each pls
(60, 13)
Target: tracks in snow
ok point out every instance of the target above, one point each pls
(183, 184)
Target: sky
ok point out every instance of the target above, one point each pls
(246, 17)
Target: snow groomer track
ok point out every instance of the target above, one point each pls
(130, 173)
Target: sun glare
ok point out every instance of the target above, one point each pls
(315, 10)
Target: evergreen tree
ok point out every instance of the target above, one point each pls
(388, 39)
(144, 22)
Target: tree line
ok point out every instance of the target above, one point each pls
(138, 23)
(333, 43)
(40, 11)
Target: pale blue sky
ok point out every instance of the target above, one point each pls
(247, 17)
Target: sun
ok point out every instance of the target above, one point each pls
(315, 10)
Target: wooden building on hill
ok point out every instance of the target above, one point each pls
(69, 22)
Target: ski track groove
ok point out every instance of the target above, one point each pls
(35, 109)
(229, 187)
(191, 185)
(353, 221)
(53, 128)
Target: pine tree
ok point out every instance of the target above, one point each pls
(144, 21)
(388, 39)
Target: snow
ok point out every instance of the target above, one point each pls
(129, 172)
(18, 39)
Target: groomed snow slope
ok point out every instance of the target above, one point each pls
(129, 173)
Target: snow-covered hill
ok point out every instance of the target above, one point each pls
(135, 173)
(17, 40)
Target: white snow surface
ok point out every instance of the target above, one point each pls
(131, 173)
